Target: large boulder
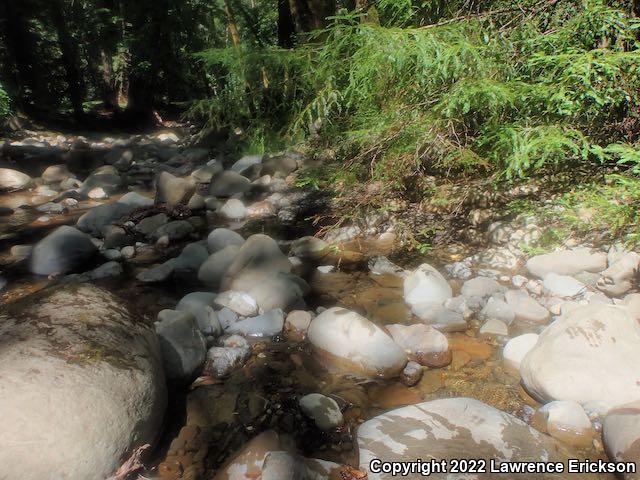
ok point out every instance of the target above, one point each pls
(64, 250)
(12, 180)
(346, 341)
(173, 190)
(456, 428)
(97, 218)
(105, 177)
(425, 288)
(183, 345)
(213, 270)
(81, 385)
(220, 238)
(597, 347)
(567, 262)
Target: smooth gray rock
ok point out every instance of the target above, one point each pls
(246, 162)
(323, 410)
(174, 231)
(220, 238)
(99, 217)
(64, 250)
(148, 225)
(214, 268)
(173, 190)
(228, 183)
(563, 285)
(426, 287)
(480, 287)
(200, 305)
(266, 325)
(183, 346)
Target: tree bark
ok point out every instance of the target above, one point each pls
(286, 26)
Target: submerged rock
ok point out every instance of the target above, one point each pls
(81, 384)
(621, 435)
(422, 343)
(348, 342)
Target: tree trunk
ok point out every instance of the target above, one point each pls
(286, 26)
(70, 58)
(232, 25)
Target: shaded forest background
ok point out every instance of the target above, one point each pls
(393, 87)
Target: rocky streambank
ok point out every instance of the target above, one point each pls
(287, 353)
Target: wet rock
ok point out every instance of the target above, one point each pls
(567, 421)
(116, 237)
(174, 231)
(525, 308)
(157, 274)
(109, 394)
(381, 265)
(241, 303)
(422, 343)
(99, 217)
(563, 285)
(278, 290)
(516, 349)
(598, 347)
(106, 270)
(97, 193)
(20, 252)
(296, 325)
(411, 374)
(458, 270)
(105, 177)
(183, 346)
(324, 411)
(618, 278)
(442, 318)
(112, 254)
(128, 252)
(309, 248)
(62, 251)
(480, 287)
(70, 184)
(196, 202)
(187, 264)
(228, 183)
(348, 342)
(135, 200)
(621, 435)
(13, 180)
(221, 238)
(200, 305)
(52, 208)
(205, 173)
(221, 361)
(148, 225)
(248, 462)
(173, 190)
(227, 317)
(454, 428)
(266, 325)
(56, 174)
(426, 287)
(233, 209)
(288, 466)
(494, 329)
(246, 162)
(214, 268)
(567, 262)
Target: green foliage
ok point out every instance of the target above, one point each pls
(5, 103)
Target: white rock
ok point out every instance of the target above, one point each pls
(223, 237)
(525, 308)
(497, 309)
(422, 343)
(516, 349)
(567, 262)
(567, 421)
(426, 286)
(494, 328)
(563, 285)
(621, 435)
(200, 305)
(241, 303)
(233, 209)
(480, 287)
(266, 325)
(618, 278)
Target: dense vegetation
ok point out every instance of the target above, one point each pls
(394, 90)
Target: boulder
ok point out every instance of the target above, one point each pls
(422, 343)
(278, 290)
(183, 346)
(241, 303)
(214, 268)
(200, 305)
(480, 287)
(525, 308)
(64, 250)
(323, 410)
(348, 342)
(567, 421)
(567, 262)
(105, 177)
(497, 309)
(516, 349)
(56, 174)
(426, 287)
(81, 384)
(13, 180)
(266, 325)
(618, 278)
(233, 209)
(563, 285)
(221, 238)
(173, 190)
(228, 183)
(621, 435)
(99, 217)
(598, 348)
(455, 428)
(246, 162)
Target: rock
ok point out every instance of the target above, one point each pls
(241, 303)
(563, 285)
(422, 343)
(89, 374)
(494, 329)
(246, 162)
(128, 252)
(213, 270)
(233, 209)
(183, 346)
(346, 341)
(458, 270)
(64, 250)
(597, 347)
(200, 305)
(426, 287)
(187, 264)
(266, 325)
(296, 325)
(97, 193)
(632, 303)
(441, 318)
(516, 349)
(173, 190)
(99, 217)
(309, 248)
(20, 252)
(496, 309)
(381, 265)
(204, 174)
(148, 225)
(525, 308)
(221, 361)
(196, 202)
(567, 421)
(112, 254)
(106, 270)
(228, 183)
(119, 157)
(281, 164)
(480, 287)
(56, 174)
(221, 238)
(227, 317)
(168, 138)
(51, 208)
(105, 177)
(288, 466)
(567, 262)
(70, 184)
(135, 200)
(411, 374)
(13, 180)
(618, 278)
(279, 290)
(455, 428)
(248, 462)
(621, 435)
(261, 209)
(174, 231)
(324, 411)
(157, 274)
